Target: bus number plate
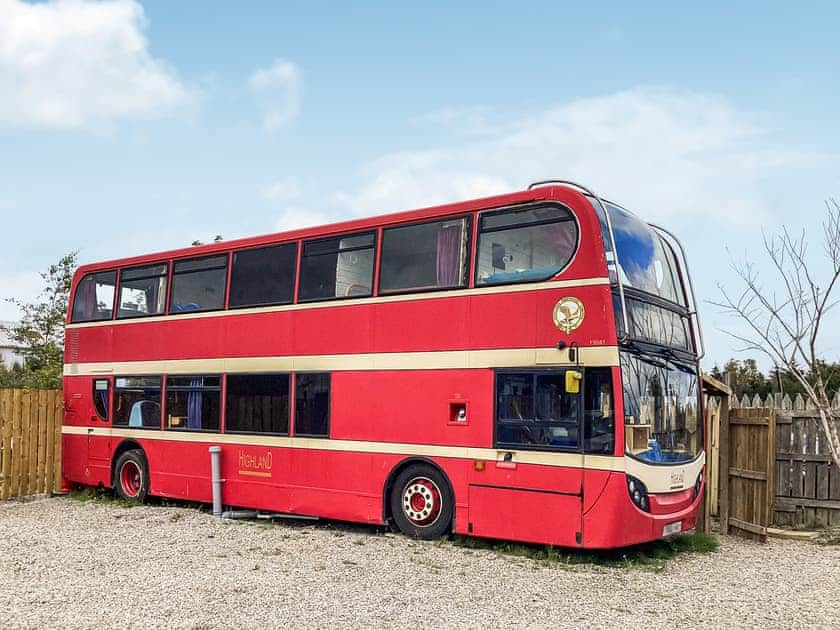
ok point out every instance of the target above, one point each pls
(671, 528)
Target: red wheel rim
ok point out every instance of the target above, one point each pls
(130, 479)
(421, 501)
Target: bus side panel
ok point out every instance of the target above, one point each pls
(515, 320)
(74, 458)
(413, 406)
(419, 325)
(180, 469)
(527, 516)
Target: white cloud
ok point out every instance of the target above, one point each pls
(664, 152)
(294, 217)
(282, 189)
(464, 121)
(74, 63)
(277, 91)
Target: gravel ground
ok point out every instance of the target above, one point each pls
(71, 564)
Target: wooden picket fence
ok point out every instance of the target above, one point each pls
(30, 442)
(807, 482)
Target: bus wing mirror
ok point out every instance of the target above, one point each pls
(573, 378)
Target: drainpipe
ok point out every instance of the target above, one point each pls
(216, 476)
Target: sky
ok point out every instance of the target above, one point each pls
(129, 127)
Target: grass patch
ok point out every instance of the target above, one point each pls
(829, 536)
(100, 495)
(652, 555)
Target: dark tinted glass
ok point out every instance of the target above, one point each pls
(257, 403)
(312, 405)
(94, 299)
(101, 398)
(199, 284)
(263, 276)
(599, 417)
(201, 264)
(533, 410)
(427, 256)
(193, 403)
(655, 324)
(137, 402)
(511, 218)
(150, 271)
(337, 267)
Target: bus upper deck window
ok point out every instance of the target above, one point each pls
(338, 267)
(425, 256)
(94, 299)
(198, 284)
(143, 291)
(525, 244)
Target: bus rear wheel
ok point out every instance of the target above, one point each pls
(421, 502)
(131, 476)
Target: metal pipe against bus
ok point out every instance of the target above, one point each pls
(240, 514)
(216, 476)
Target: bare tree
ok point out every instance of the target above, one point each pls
(785, 325)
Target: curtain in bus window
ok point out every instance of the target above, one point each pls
(194, 405)
(88, 298)
(102, 403)
(449, 255)
(152, 298)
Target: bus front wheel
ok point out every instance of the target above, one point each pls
(421, 502)
(131, 476)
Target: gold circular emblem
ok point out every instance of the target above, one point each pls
(568, 314)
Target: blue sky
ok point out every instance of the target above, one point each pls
(132, 127)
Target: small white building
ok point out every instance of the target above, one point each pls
(9, 351)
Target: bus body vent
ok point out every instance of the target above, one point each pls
(74, 346)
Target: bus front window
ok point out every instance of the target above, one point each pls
(645, 262)
(661, 409)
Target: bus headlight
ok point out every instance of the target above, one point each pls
(638, 493)
(697, 485)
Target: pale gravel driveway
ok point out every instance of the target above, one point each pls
(67, 564)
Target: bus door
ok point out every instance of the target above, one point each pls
(98, 442)
(533, 491)
(598, 404)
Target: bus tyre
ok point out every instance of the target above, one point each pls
(131, 476)
(421, 502)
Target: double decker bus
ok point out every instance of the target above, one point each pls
(520, 367)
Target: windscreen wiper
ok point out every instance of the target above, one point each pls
(654, 358)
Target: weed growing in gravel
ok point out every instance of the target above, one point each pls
(100, 495)
(829, 536)
(650, 555)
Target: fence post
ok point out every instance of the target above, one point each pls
(723, 473)
(771, 466)
(6, 444)
(58, 420)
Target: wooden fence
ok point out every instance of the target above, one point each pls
(30, 442)
(747, 472)
(807, 482)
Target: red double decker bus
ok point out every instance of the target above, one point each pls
(520, 367)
